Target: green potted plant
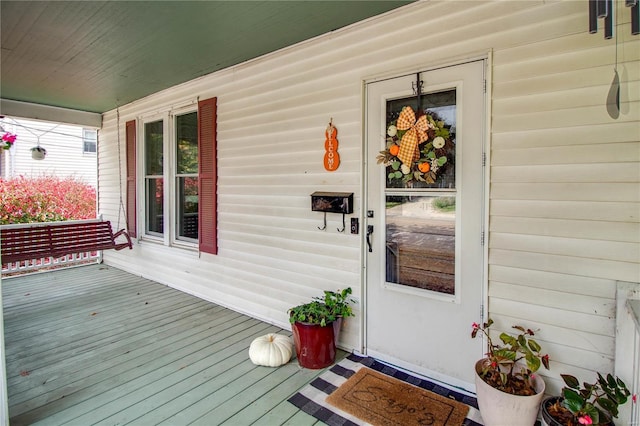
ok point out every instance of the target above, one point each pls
(590, 404)
(507, 390)
(316, 326)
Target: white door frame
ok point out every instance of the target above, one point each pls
(488, 58)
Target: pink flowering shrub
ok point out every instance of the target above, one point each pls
(45, 199)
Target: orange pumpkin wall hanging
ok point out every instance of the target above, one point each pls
(331, 156)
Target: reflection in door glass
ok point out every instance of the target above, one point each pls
(420, 242)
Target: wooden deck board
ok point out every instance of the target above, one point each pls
(147, 360)
(124, 400)
(244, 411)
(300, 418)
(96, 345)
(46, 348)
(283, 414)
(147, 355)
(67, 339)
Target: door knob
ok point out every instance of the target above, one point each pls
(369, 232)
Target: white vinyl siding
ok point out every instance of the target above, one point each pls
(564, 209)
(65, 152)
(564, 194)
(112, 178)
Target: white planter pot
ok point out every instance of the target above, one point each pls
(499, 408)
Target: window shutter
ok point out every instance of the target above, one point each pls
(207, 176)
(131, 178)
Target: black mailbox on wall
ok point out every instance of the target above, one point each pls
(332, 202)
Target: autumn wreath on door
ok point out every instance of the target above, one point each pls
(419, 149)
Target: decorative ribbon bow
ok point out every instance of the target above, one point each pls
(415, 135)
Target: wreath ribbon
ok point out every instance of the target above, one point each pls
(416, 133)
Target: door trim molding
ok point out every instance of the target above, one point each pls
(449, 62)
(488, 81)
(446, 381)
(486, 57)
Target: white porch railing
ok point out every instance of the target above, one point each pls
(49, 262)
(627, 365)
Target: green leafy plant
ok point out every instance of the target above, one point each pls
(589, 404)
(322, 311)
(510, 366)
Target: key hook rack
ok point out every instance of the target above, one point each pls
(324, 226)
(332, 202)
(325, 223)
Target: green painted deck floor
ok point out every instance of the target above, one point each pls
(96, 345)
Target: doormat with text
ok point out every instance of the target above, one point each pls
(382, 400)
(312, 399)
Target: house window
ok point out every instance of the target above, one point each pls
(89, 141)
(187, 176)
(179, 172)
(178, 184)
(154, 177)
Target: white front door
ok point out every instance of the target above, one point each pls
(424, 264)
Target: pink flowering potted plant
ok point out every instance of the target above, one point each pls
(507, 390)
(7, 140)
(590, 404)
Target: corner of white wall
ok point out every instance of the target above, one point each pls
(627, 361)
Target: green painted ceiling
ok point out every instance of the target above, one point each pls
(96, 55)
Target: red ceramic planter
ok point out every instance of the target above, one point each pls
(315, 345)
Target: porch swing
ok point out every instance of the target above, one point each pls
(35, 241)
(31, 241)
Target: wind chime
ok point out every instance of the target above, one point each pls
(604, 9)
(599, 9)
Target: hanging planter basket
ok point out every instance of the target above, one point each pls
(38, 153)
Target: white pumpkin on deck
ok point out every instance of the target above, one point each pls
(271, 350)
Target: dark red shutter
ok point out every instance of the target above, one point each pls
(207, 176)
(131, 178)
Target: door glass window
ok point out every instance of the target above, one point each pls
(420, 246)
(420, 192)
(433, 162)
